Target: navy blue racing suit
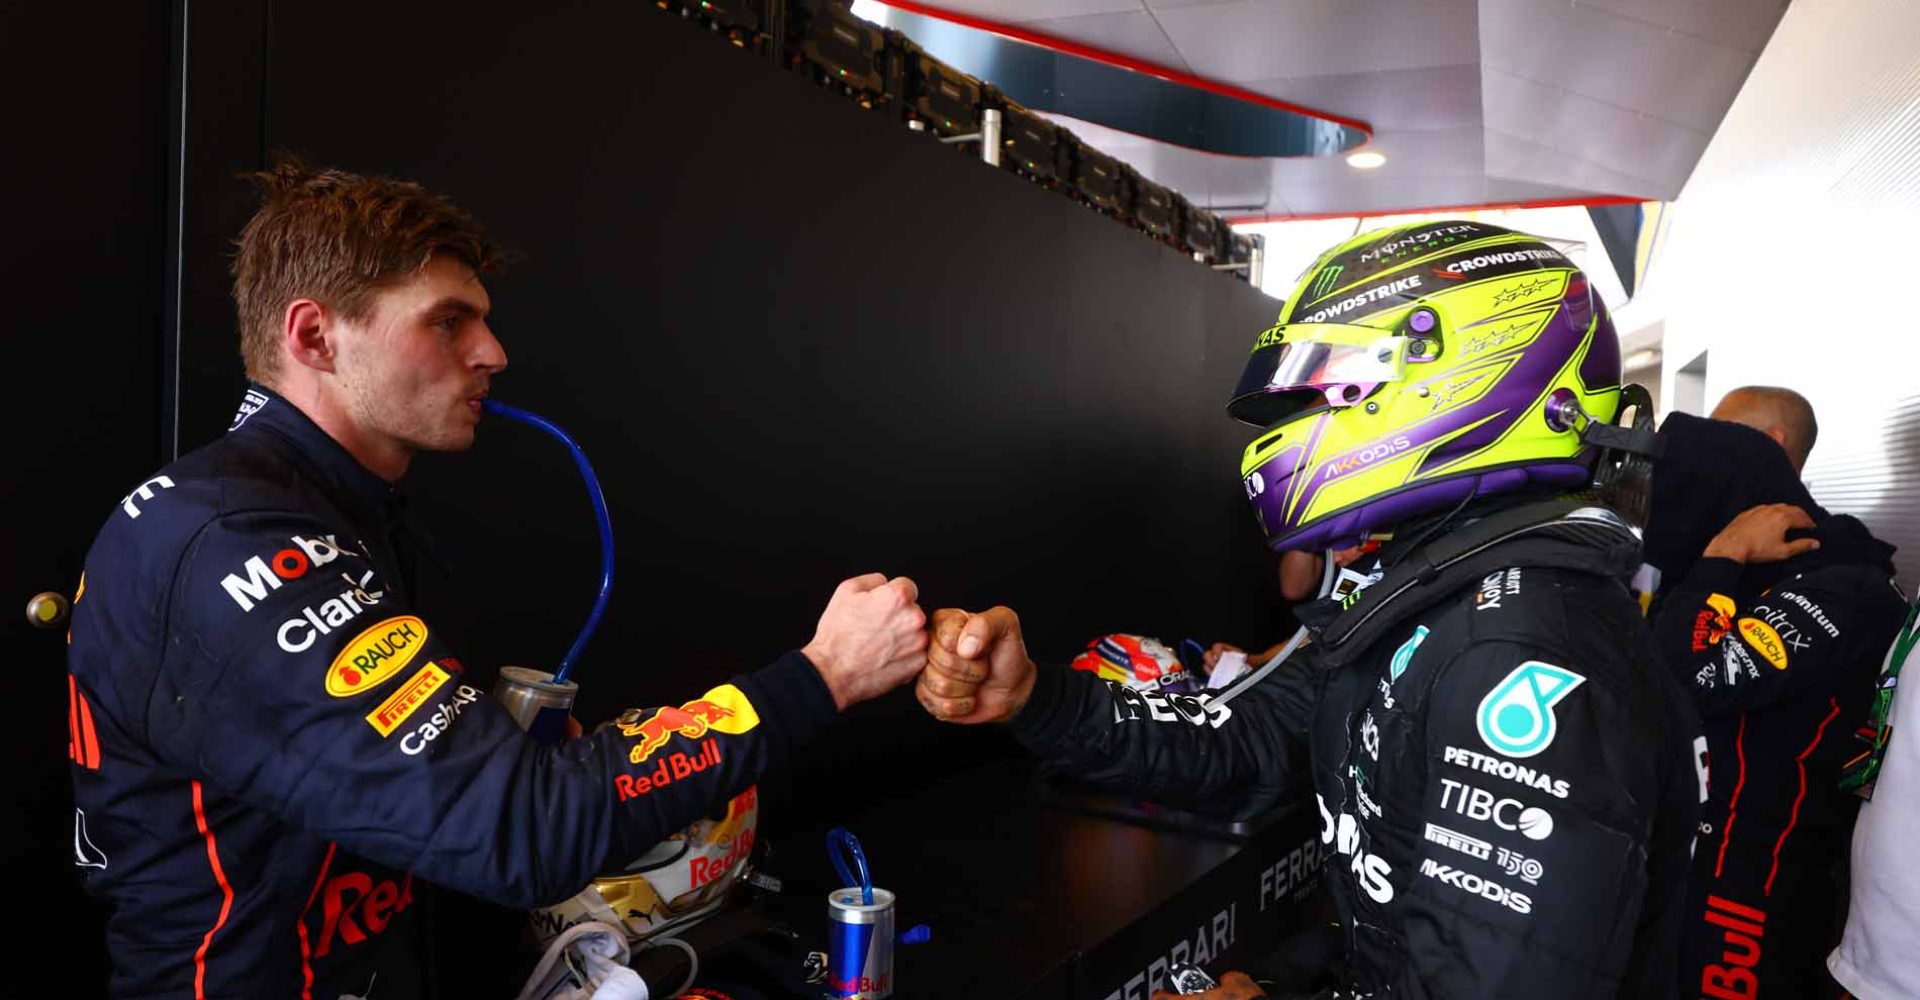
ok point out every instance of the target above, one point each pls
(272, 749)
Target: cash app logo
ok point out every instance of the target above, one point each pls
(1516, 717)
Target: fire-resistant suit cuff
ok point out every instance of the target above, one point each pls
(1046, 717)
(1715, 574)
(791, 690)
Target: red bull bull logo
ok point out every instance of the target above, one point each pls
(691, 720)
(1713, 622)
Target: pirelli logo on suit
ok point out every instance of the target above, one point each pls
(411, 695)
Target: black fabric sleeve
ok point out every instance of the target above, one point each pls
(1739, 656)
(1189, 751)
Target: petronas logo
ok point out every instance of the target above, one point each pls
(1324, 283)
(1404, 655)
(1516, 717)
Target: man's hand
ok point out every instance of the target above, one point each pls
(977, 667)
(1233, 986)
(870, 640)
(1212, 657)
(1759, 535)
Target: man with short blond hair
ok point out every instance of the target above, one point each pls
(1781, 414)
(273, 752)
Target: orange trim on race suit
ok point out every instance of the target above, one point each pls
(1799, 762)
(1726, 834)
(226, 902)
(83, 741)
(306, 949)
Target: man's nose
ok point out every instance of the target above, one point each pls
(487, 354)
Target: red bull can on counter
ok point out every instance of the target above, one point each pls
(859, 945)
(536, 701)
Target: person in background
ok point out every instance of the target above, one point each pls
(1876, 959)
(1505, 778)
(272, 751)
(1781, 414)
(1775, 615)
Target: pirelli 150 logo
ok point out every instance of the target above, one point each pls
(375, 655)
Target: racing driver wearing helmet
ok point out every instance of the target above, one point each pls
(1506, 779)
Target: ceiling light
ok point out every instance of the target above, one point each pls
(1365, 160)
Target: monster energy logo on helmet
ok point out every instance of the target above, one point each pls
(1324, 283)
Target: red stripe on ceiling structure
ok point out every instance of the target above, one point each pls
(1084, 51)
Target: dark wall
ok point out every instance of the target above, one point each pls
(798, 341)
(82, 260)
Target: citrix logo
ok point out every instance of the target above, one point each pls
(1370, 870)
(1516, 717)
(265, 575)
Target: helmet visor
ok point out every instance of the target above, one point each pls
(1293, 368)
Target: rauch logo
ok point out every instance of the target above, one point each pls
(375, 655)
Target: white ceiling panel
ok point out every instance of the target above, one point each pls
(1170, 4)
(1471, 101)
(1016, 11)
(1265, 39)
(1428, 97)
(1631, 63)
(1522, 37)
(1518, 158)
(1659, 153)
(1741, 24)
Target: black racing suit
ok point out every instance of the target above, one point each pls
(1782, 677)
(1507, 781)
(271, 749)
(1781, 660)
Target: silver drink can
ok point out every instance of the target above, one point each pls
(859, 945)
(536, 701)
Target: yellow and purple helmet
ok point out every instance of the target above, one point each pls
(1419, 367)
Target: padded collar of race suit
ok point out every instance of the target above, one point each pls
(1564, 533)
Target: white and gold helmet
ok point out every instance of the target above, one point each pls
(679, 881)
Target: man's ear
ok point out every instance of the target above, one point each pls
(306, 334)
(1779, 436)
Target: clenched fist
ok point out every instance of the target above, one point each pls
(977, 667)
(870, 640)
